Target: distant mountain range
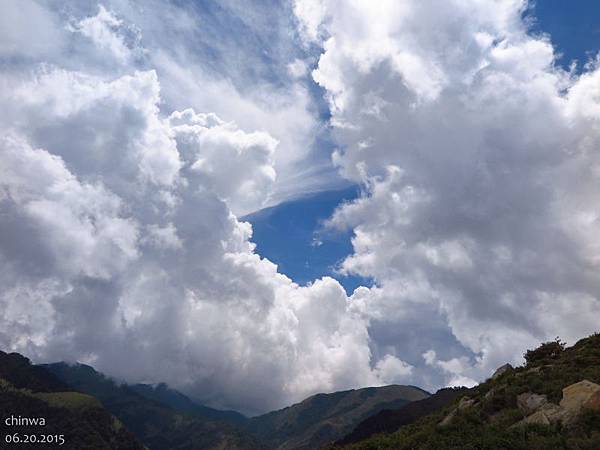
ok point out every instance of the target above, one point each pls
(323, 418)
(552, 402)
(153, 414)
(111, 415)
(162, 393)
(390, 420)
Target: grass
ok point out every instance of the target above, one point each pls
(73, 401)
(487, 425)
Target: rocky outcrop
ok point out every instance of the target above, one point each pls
(578, 394)
(448, 419)
(576, 398)
(501, 371)
(547, 414)
(463, 404)
(593, 402)
(529, 402)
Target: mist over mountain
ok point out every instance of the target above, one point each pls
(72, 420)
(164, 418)
(550, 402)
(179, 402)
(323, 418)
(302, 223)
(153, 416)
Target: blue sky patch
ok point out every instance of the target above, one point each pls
(573, 26)
(288, 235)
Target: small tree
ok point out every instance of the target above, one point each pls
(547, 351)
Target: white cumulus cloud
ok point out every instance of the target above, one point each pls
(121, 246)
(477, 153)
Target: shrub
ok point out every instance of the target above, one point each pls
(545, 352)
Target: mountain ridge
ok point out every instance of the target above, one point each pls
(317, 420)
(550, 402)
(158, 425)
(390, 420)
(323, 418)
(162, 393)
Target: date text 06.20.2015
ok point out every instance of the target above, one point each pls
(24, 438)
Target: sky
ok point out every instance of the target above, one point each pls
(300, 196)
(293, 235)
(575, 34)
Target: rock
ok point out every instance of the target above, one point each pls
(593, 402)
(489, 394)
(465, 403)
(529, 402)
(547, 414)
(538, 417)
(501, 371)
(575, 397)
(552, 412)
(448, 419)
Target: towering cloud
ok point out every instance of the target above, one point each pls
(120, 244)
(478, 154)
(127, 158)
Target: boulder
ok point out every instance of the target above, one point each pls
(552, 412)
(575, 395)
(501, 371)
(593, 402)
(547, 414)
(529, 402)
(538, 417)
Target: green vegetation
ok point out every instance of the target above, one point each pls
(490, 417)
(545, 353)
(74, 401)
(323, 418)
(151, 414)
(32, 392)
(488, 423)
(165, 419)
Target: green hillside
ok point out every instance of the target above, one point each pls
(157, 424)
(323, 418)
(552, 402)
(163, 418)
(31, 392)
(164, 394)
